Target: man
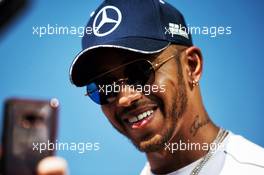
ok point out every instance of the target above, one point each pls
(141, 66)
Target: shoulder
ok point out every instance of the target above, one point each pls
(245, 149)
(243, 157)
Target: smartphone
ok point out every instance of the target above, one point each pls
(27, 123)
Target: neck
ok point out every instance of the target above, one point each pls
(194, 127)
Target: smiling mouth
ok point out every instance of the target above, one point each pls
(141, 119)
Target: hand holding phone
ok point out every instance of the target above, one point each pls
(26, 122)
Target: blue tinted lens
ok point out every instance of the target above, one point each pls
(93, 93)
(138, 73)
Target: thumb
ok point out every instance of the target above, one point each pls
(52, 166)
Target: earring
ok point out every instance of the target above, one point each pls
(195, 83)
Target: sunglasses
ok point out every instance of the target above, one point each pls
(138, 73)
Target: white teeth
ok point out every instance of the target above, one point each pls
(132, 120)
(140, 116)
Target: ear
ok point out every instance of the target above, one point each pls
(194, 62)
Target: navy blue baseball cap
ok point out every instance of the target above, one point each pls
(143, 26)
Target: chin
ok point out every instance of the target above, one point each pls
(156, 142)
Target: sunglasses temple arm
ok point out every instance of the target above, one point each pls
(157, 65)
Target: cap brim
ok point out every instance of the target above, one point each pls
(81, 70)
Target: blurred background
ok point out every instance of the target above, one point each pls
(38, 67)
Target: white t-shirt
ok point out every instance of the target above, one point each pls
(236, 155)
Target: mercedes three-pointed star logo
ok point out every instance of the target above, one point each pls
(105, 19)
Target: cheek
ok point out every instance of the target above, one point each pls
(167, 78)
(110, 115)
(167, 83)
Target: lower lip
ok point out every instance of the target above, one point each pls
(142, 123)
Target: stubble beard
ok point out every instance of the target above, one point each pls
(179, 103)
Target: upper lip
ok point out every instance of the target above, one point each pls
(138, 110)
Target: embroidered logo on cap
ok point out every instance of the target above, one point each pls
(106, 21)
(176, 29)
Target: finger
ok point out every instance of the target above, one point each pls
(52, 166)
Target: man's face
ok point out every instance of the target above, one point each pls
(159, 126)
